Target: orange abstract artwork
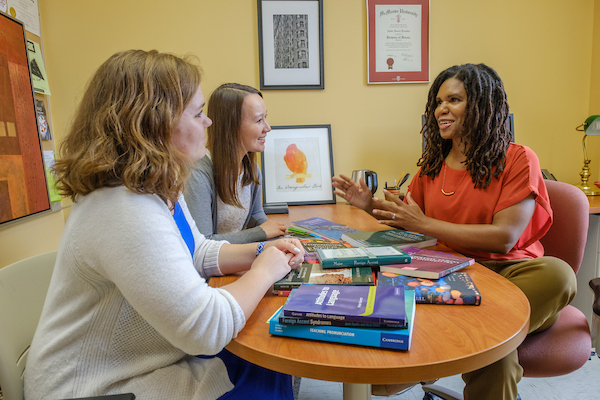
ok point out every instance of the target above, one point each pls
(295, 160)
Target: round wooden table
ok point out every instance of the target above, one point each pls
(447, 339)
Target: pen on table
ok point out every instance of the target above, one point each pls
(296, 230)
(404, 179)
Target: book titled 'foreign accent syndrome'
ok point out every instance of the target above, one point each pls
(428, 264)
(393, 237)
(362, 257)
(391, 338)
(365, 304)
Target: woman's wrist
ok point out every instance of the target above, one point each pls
(260, 247)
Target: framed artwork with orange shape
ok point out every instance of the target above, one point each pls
(297, 165)
(23, 188)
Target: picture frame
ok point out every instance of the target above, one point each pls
(397, 41)
(23, 186)
(290, 44)
(297, 165)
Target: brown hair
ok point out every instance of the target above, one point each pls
(121, 133)
(486, 128)
(224, 143)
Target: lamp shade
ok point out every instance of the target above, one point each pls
(591, 126)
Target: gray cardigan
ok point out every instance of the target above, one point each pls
(201, 197)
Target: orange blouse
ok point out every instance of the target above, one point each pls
(468, 205)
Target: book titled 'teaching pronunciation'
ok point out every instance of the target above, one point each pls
(382, 305)
(390, 338)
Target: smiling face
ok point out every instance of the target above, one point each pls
(450, 111)
(189, 135)
(254, 126)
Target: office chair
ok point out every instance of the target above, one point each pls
(595, 286)
(23, 288)
(566, 346)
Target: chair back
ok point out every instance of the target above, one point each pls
(567, 236)
(23, 288)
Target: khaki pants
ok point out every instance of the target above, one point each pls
(549, 284)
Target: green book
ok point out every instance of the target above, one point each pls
(393, 237)
(313, 274)
(362, 257)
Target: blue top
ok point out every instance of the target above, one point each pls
(184, 228)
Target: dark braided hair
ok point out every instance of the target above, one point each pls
(486, 133)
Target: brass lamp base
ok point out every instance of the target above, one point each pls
(585, 177)
(589, 190)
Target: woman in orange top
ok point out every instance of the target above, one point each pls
(482, 196)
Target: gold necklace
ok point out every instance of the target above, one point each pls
(444, 182)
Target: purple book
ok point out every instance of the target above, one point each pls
(367, 304)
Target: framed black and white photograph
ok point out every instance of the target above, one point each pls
(290, 44)
(297, 165)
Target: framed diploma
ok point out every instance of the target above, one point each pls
(397, 41)
(290, 44)
(297, 165)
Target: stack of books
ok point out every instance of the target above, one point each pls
(311, 271)
(376, 316)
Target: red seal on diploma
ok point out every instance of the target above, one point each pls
(390, 63)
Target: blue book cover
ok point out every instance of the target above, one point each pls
(324, 227)
(456, 288)
(390, 338)
(366, 304)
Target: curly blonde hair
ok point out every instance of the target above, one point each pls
(122, 130)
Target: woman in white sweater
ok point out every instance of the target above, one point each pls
(129, 308)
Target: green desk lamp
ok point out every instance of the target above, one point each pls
(591, 127)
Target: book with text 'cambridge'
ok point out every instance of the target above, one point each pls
(392, 237)
(428, 264)
(456, 288)
(390, 338)
(362, 256)
(366, 304)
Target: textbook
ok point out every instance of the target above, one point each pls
(390, 338)
(312, 273)
(362, 256)
(392, 237)
(457, 288)
(366, 304)
(323, 228)
(428, 264)
(312, 245)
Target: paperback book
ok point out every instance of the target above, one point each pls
(362, 256)
(392, 237)
(323, 228)
(456, 288)
(313, 274)
(428, 264)
(390, 338)
(312, 245)
(366, 304)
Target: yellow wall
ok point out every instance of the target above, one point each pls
(33, 236)
(541, 48)
(593, 146)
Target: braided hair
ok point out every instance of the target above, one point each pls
(486, 133)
